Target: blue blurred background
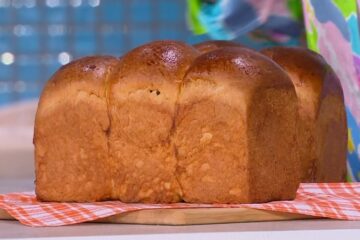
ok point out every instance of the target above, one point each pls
(38, 36)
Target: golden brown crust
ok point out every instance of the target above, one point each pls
(166, 124)
(211, 45)
(235, 129)
(323, 132)
(71, 152)
(142, 106)
(88, 70)
(166, 60)
(236, 66)
(309, 72)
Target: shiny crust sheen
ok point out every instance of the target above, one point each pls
(239, 67)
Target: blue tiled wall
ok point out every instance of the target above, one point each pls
(37, 34)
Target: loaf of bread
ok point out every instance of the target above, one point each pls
(169, 122)
(323, 130)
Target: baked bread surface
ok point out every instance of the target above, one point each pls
(323, 128)
(142, 101)
(236, 129)
(70, 135)
(167, 123)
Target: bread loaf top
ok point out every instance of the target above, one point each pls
(154, 71)
(157, 60)
(89, 72)
(237, 67)
(88, 75)
(312, 77)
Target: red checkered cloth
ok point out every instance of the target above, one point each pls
(328, 200)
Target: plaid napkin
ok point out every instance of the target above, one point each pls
(328, 200)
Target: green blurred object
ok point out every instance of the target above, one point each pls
(295, 9)
(312, 38)
(345, 6)
(196, 26)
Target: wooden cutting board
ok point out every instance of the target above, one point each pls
(193, 216)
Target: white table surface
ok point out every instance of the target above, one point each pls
(301, 229)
